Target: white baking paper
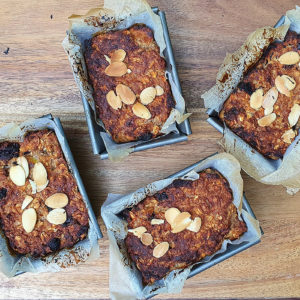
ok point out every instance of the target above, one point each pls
(281, 172)
(85, 250)
(125, 279)
(117, 15)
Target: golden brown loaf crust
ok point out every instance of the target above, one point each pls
(147, 69)
(209, 198)
(40, 146)
(242, 119)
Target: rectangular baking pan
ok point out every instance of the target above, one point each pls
(184, 128)
(215, 121)
(73, 168)
(231, 249)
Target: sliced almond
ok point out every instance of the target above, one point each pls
(269, 100)
(17, 175)
(39, 174)
(22, 161)
(40, 188)
(57, 216)
(147, 95)
(107, 59)
(256, 99)
(116, 69)
(159, 90)
(146, 239)
(33, 186)
(288, 136)
(26, 202)
(181, 222)
(280, 85)
(138, 231)
(58, 200)
(294, 115)
(29, 218)
(171, 214)
(125, 93)
(113, 100)
(289, 58)
(267, 120)
(289, 82)
(118, 55)
(161, 249)
(141, 111)
(157, 221)
(195, 225)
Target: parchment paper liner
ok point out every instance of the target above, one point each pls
(85, 250)
(284, 172)
(125, 279)
(116, 15)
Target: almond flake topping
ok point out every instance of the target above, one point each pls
(40, 188)
(58, 200)
(141, 111)
(29, 218)
(39, 174)
(181, 222)
(147, 95)
(118, 55)
(171, 214)
(107, 59)
(146, 239)
(116, 69)
(33, 186)
(256, 99)
(17, 175)
(159, 90)
(294, 115)
(195, 225)
(26, 202)
(285, 84)
(22, 161)
(125, 93)
(157, 221)
(57, 216)
(267, 120)
(113, 100)
(288, 136)
(161, 249)
(269, 100)
(289, 58)
(138, 231)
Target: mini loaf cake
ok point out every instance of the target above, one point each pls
(41, 209)
(132, 95)
(265, 107)
(181, 224)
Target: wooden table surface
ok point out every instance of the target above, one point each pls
(36, 79)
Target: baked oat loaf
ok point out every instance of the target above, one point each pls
(46, 220)
(132, 95)
(181, 224)
(265, 107)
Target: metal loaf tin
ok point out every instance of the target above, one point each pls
(231, 249)
(184, 128)
(215, 121)
(74, 170)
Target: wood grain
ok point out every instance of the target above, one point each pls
(35, 79)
